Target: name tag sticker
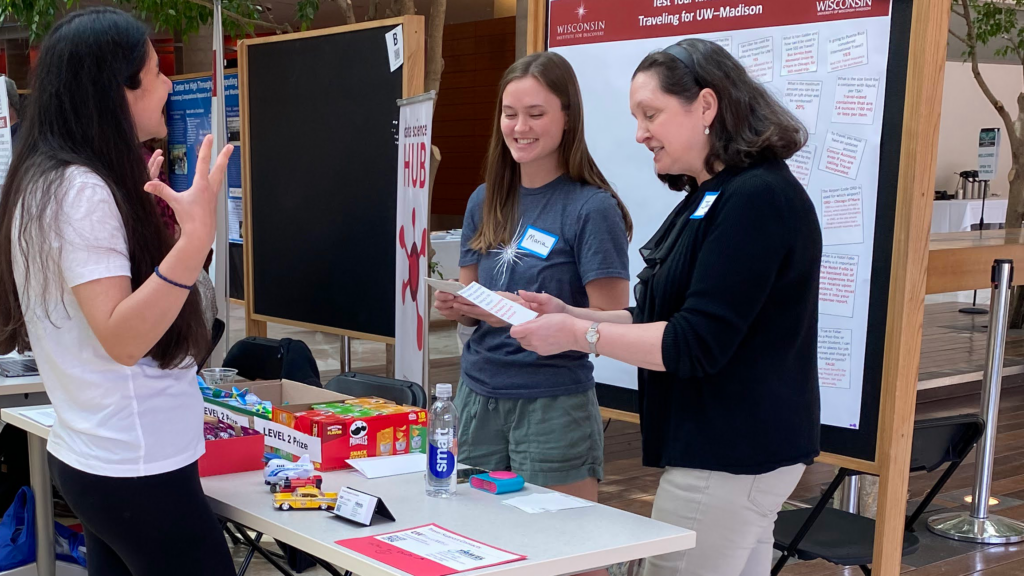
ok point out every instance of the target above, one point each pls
(537, 241)
(705, 205)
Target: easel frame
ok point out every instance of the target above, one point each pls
(412, 84)
(918, 158)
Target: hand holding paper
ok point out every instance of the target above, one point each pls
(493, 307)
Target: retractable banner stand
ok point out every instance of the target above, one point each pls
(6, 145)
(411, 248)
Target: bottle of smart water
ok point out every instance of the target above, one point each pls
(442, 449)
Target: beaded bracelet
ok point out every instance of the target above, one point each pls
(169, 281)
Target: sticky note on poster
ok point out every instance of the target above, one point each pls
(800, 53)
(835, 353)
(838, 284)
(801, 163)
(842, 215)
(724, 42)
(842, 155)
(855, 100)
(804, 100)
(758, 57)
(848, 51)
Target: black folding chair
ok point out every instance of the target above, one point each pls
(847, 539)
(398, 391)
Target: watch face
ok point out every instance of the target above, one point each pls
(592, 336)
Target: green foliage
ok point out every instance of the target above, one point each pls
(995, 22)
(185, 16)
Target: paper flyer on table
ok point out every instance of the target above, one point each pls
(501, 307)
(383, 466)
(429, 551)
(551, 502)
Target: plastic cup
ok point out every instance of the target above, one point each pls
(216, 377)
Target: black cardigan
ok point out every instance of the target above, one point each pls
(739, 290)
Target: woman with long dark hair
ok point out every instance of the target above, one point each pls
(94, 284)
(725, 328)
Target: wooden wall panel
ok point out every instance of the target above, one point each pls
(476, 55)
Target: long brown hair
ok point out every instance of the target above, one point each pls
(79, 116)
(502, 176)
(751, 124)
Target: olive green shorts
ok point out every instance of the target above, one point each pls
(548, 441)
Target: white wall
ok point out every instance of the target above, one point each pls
(965, 111)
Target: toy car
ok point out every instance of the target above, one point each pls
(305, 497)
(279, 470)
(292, 484)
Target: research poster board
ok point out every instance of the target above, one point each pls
(827, 62)
(6, 142)
(189, 109)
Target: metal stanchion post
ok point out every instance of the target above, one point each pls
(978, 525)
(346, 354)
(849, 500)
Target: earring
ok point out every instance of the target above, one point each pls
(707, 130)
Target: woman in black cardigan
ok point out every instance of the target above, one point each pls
(726, 320)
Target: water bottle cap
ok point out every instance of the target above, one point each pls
(444, 390)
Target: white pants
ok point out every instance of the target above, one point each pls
(733, 516)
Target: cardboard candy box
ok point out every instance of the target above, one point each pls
(359, 428)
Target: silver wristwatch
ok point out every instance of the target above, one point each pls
(592, 337)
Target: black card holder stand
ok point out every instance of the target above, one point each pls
(379, 510)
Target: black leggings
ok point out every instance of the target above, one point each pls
(158, 525)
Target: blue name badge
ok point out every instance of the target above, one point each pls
(705, 205)
(538, 242)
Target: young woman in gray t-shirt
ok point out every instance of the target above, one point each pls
(545, 220)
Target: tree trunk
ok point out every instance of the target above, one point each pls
(435, 38)
(346, 10)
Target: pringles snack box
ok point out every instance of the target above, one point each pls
(362, 428)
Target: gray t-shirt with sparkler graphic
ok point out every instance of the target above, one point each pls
(569, 234)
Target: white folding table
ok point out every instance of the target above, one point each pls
(564, 542)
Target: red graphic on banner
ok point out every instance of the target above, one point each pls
(573, 22)
(412, 284)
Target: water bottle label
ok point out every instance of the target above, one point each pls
(441, 462)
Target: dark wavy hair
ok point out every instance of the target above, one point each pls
(751, 125)
(79, 116)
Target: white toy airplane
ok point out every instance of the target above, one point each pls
(279, 470)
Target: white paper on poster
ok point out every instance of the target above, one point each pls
(800, 53)
(758, 57)
(838, 285)
(842, 155)
(842, 215)
(802, 163)
(235, 220)
(396, 47)
(835, 350)
(988, 153)
(855, 100)
(411, 246)
(724, 42)
(848, 51)
(803, 98)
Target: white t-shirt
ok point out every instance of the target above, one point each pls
(112, 420)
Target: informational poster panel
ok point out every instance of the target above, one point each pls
(189, 109)
(6, 144)
(188, 122)
(827, 62)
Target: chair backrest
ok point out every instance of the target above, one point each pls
(941, 440)
(398, 391)
(256, 358)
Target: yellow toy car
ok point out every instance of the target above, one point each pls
(305, 497)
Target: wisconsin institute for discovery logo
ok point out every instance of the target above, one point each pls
(584, 28)
(828, 7)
